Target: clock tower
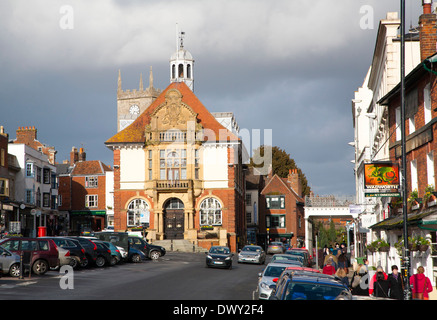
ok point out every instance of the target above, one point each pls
(131, 103)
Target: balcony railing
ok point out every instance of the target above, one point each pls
(173, 184)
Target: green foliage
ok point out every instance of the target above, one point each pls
(281, 164)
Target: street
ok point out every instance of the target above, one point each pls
(175, 276)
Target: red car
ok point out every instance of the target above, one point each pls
(42, 254)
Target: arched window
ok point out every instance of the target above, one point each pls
(173, 71)
(210, 212)
(189, 71)
(181, 71)
(137, 212)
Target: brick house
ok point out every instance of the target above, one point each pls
(82, 192)
(282, 210)
(420, 129)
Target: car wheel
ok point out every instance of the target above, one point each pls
(113, 261)
(136, 258)
(100, 261)
(14, 271)
(84, 263)
(74, 264)
(154, 255)
(40, 267)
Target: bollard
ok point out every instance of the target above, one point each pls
(21, 266)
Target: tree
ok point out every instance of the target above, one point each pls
(281, 164)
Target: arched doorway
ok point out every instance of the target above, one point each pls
(174, 219)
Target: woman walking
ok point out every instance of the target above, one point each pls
(421, 285)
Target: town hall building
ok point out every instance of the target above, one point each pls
(178, 171)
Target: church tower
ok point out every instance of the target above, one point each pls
(130, 104)
(181, 63)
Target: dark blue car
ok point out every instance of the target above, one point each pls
(307, 286)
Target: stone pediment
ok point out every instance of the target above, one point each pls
(173, 114)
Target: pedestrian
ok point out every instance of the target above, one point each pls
(360, 281)
(342, 275)
(343, 262)
(396, 284)
(381, 285)
(329, 268)
(421, 285)
(373, 279)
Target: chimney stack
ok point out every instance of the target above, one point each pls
(74, 156)
(428, 31)
(294, 181)
(82, 155)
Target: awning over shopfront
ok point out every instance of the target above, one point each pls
(88, 213)
(414, 219)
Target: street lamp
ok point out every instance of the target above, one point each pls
(406, 257)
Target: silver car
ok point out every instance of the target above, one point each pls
(252, 254)
(272, 271)
(9, 262)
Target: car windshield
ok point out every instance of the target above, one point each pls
(219, 250)
(273, 271)
(312, 291)
(297, 253)
(286, 258)
(276, 244)
(252, 249)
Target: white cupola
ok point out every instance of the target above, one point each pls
(181, 63)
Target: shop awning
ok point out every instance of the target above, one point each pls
(413, 219)
(88, 213)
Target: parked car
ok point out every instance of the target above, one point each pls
(135, 255)
(293, 285)
(65, 259)
(9, 262)
(151, 251)
(115, 253)
(252, 254)
(275, 247)
(219, 256)
(123, 253)
(288, 258)
(307, 253)
(303, 254)
(272, 271)
(77, 252)
(41, 253)
(104, 255)
(90, 250)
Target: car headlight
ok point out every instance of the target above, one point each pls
(228, 258)
(264, 285)
(208, 257)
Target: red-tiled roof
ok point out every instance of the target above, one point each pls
(89, 168)
(135, 133)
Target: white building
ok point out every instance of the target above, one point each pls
(36, 189)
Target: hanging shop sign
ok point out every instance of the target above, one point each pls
(381, 179)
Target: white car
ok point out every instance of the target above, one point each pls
(272, 271)
(252, 254)
(122, 252)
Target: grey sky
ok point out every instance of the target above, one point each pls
(287, 65)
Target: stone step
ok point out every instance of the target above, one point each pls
(179, 245)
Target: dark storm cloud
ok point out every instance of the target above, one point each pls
(286, 65)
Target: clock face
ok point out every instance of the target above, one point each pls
(134, 109)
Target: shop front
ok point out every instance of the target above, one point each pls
(83, 222)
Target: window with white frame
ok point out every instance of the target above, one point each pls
(414, 182)
(430, 168)
(427, 103)
(91, 200)
(210, 212)
(275, 221)
(29, 169)
(46, 199)
(135, 209)
(412, 124)
(398, 124)
(91, 182)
